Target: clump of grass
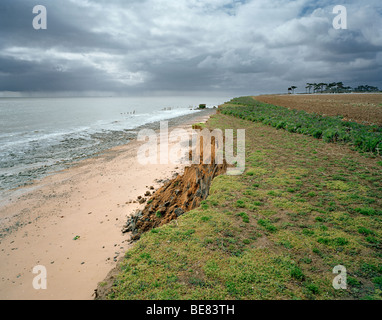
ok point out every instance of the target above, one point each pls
(306, 260)
(367, 211)
(240, 203)
(273, 193)
(297, 273)
(313, 288)
(365, 231)
(158, 214)
(204, 205)
(308, 232)
(323, 240)
(287, 244)
(341, 241)
(244, 217)
(372, 240)
(378, 281)
(353, 282)
(267, 224)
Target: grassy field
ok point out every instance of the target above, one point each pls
(302, 207)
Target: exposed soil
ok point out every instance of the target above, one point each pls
(361, 108)
(177, 196)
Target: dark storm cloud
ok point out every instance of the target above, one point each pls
(42, 77)
(187, 45)
(68, 27)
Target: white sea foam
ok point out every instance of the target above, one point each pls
(41, 135)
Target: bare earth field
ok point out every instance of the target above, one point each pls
(361, 108)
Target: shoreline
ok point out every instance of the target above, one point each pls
(89, 202)
(25, 176)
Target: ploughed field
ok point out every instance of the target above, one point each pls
(361, 108)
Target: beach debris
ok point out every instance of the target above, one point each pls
(76, 237)
(131, 222)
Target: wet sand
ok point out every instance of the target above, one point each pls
(71, 223)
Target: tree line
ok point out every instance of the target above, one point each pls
(333, 87)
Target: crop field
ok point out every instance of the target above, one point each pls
(353, 107)
(302, 207)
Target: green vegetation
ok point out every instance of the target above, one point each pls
(331, 129)
(244, 216)
(158, 214)
(275, 233)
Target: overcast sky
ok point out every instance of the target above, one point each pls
(228, 47)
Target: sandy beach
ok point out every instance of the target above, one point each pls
(70, 223)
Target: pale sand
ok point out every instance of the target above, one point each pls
(89, 200)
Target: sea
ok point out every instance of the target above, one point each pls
(39, 136)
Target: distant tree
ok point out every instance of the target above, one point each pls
(293, 88)
(366, 88)
(321, 86)
(309, 86)
(340, 86)
(335, 87)
(331, 86)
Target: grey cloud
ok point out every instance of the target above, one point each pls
(141, 46)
